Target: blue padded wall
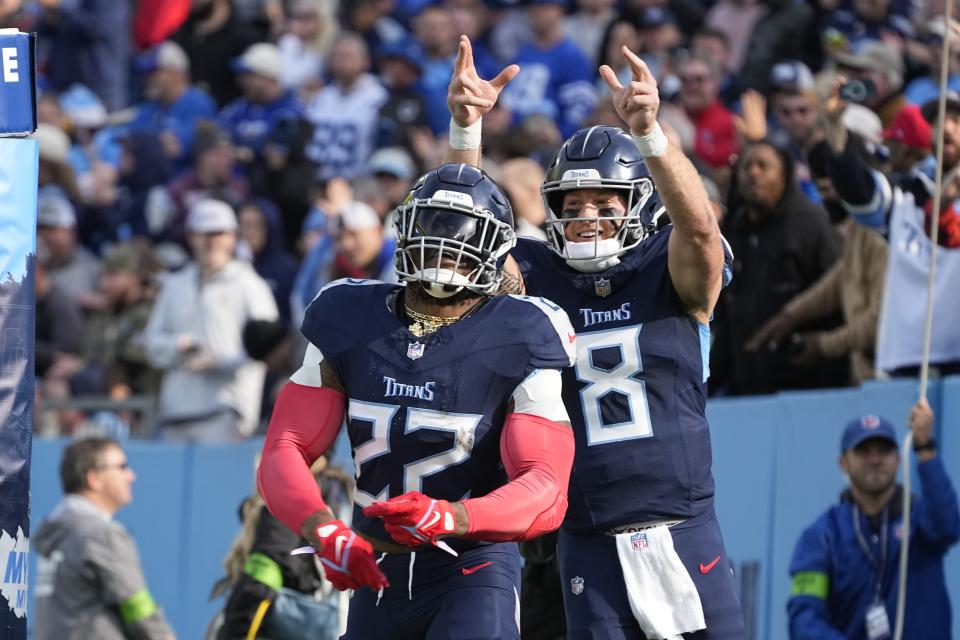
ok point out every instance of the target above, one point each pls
(775, 462)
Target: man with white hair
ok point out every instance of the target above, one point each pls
(211, 388)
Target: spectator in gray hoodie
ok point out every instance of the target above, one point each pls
(89, 581)
(211, 389)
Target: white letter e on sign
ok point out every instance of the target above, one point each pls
(9, 55)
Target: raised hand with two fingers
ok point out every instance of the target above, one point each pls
(636, 103)
(470, 97)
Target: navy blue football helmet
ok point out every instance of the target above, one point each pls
(601, 158)
(454, 231)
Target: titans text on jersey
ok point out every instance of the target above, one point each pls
(591, 317)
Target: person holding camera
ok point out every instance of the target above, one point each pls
(845, 567)
(874, 78)
(900, 206)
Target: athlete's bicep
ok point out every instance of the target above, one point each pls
(696, 270)
(537, 455)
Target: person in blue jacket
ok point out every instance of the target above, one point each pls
(845, 569)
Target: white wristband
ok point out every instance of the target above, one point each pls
(653, 144)
(465, 138)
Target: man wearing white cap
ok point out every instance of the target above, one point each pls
(172, 106)
(395, 172)
(265, 102)
(211, 389)
(72, 267)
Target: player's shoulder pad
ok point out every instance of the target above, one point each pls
(728, 259)
(552, 340)
(532, 255)
(336, 318)
(530, 248)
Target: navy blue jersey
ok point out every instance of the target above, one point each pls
(425, 414)
(637, 393)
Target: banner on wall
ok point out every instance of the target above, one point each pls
(19, 159)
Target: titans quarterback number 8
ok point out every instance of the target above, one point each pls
(618, 379)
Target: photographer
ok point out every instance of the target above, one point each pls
(875, 75)
(899, 206)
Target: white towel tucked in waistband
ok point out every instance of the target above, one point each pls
(662, 595)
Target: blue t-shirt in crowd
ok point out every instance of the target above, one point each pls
(180, 117)
(557, 82)
(250, 124)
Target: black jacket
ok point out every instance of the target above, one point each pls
(775, 259)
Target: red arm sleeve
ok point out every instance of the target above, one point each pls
(538, 455)
(304, 424)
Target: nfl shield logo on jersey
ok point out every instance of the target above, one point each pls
(576, 585)
(638, 541)
(602, 287)
(415, 350)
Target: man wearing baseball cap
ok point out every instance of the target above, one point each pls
(881, 66)
(908, 138)
(845, 569)
(72, 267)
(251, 118)
(173, 106)
(211, 389)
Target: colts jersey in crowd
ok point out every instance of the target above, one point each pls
(425, 413)
(637, 392)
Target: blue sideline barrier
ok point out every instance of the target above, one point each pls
(774, 461)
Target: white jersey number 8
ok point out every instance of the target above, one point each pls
(618, 379)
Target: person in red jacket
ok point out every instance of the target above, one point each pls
(716, 133)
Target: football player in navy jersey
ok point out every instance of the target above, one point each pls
(452, 401)
(640, 551)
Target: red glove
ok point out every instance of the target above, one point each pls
(347, 558)
(414, 518)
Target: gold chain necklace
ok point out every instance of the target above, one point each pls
(425, 324)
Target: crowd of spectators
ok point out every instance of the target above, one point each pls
(208, 165)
